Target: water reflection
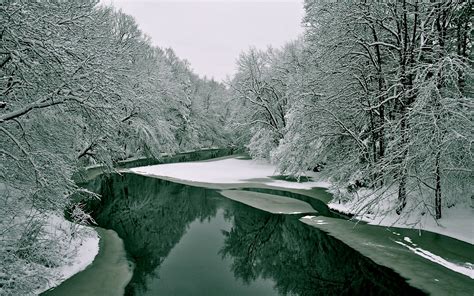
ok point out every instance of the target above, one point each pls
(302, 260)
(161, 223)
(150, 215)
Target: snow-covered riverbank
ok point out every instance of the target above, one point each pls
(109, 274)
(457, 222)
(39, 248)
(77, 245)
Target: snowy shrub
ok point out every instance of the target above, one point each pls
(261, 144)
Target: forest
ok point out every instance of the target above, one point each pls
(81, 85)
(379, 96)
(376, 97)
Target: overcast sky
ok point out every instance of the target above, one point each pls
(211, 34)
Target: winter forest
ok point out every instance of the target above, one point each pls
(375, 98)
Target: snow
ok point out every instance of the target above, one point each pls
(79, 250)
(268, 202)
(457, 222)
(466, 269)
(226, 171)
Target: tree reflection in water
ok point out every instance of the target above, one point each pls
(151, 216)
(302, 260)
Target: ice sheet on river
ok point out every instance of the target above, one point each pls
(225, 171)
(275, 204)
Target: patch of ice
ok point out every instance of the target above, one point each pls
(408, 240)
(268, 202)
(225, 171)
(315, 220)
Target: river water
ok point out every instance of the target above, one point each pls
(186, 240)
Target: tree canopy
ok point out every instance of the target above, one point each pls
(380, 94)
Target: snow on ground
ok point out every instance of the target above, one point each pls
(466, 269)
(457, 222)
(79, 247)
(226, 171)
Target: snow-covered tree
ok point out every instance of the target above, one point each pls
(380, 94)
(80, 84)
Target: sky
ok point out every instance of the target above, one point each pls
(212, 34)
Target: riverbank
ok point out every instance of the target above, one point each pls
(108, 274)
(457, 222)
(39, 248)
(77, 246)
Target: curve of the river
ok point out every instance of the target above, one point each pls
(191, 240)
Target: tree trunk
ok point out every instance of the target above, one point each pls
(438, 188)
(462, 34)
(380, 134)
(402, 192)
(402, 178)
(408, 96)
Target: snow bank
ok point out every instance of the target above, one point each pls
(268, 202)
(457, 222)
(108, 275)
(79, 246)
(226, 171)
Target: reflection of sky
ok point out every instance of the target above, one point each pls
(195, 267)
(210, 35)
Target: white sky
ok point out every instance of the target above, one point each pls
(211, 34)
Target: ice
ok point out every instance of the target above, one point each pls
(225, 171)
(270, 203)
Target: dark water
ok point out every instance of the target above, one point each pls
(192, 241)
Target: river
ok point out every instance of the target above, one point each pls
(189, 240)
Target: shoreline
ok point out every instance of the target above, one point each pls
(458, 227)
(79, 247)
(108, 274)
